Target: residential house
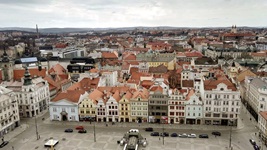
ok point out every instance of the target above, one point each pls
(33, 94)
(125, 107)
(158, 105)
(221, 101)
(113, 107)
(256, 95)
(176, 107)
(193, 108)
(139, 106)
(65, 106)
(9, 111)
(262, 125)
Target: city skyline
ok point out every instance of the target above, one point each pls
(114, 13)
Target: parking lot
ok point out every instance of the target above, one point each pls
(106, 138)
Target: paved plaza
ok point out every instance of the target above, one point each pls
(25, 138)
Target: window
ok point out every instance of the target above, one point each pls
(54, 109)
(72, 109)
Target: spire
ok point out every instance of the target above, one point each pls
(5, 56)
(27, 77)
(233, 64)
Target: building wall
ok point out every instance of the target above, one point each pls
(139, 109)
(9, 113)
(58, 109)
(221, 105)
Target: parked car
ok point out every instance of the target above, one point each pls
(68, 130)
(174, 135)
(4, 143)
(253, 142)
(217, 133)
(164, 134)
(184, 135)
(79, 128)
(154, 134)
(82, 131)
(256, 147)
(149, 129)
(192, 135)
(203, 136)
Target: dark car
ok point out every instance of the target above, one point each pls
(256, 147)
(82, 131)
(253, 142)
(217, 133)
(79, 128)
(149, 129)
(154, 134)
(203, 136)
(164, 134)
(68, 130)
(174, 135)
(4, 143)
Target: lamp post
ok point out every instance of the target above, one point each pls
(230, 138)
(94, 133)
(37, 135)
(163, 134)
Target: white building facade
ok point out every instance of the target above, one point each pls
(9, 112)
(221, 102)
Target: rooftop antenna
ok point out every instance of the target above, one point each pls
(37, 31)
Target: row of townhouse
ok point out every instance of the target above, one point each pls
(219, 103)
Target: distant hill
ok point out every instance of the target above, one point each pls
(68, 30)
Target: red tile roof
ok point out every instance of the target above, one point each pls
(108, 55)
(19, 73)
(70, 95)
(58, 69)
(212, 84)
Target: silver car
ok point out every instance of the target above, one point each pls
(192, 135)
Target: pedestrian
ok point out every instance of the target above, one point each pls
(159, 138)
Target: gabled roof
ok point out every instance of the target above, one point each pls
(188, 83)
(190, 93)
(108, 55)
(212, 84)
(57, 69)
(142, 93)
(156, 88)
(70, 95)
(241, 76)
(19, 73)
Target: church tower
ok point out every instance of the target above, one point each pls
(7, 67)
(234, 29)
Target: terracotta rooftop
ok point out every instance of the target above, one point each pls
(190, 93)
(188, 83)
(212, 84)
(58, 69)
(70, 95)
(264, 115)
(142, 93)
(19, 73)
(108, 55)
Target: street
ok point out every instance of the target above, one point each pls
(107, 136)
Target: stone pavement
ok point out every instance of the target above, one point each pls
(16, 132)
(153, 125)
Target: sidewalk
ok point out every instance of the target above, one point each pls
(9, 136)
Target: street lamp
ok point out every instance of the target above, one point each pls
(94, 133)
(163, 134)
(230, 138)
(37, 135)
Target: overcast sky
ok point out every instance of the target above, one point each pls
(129, 13)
